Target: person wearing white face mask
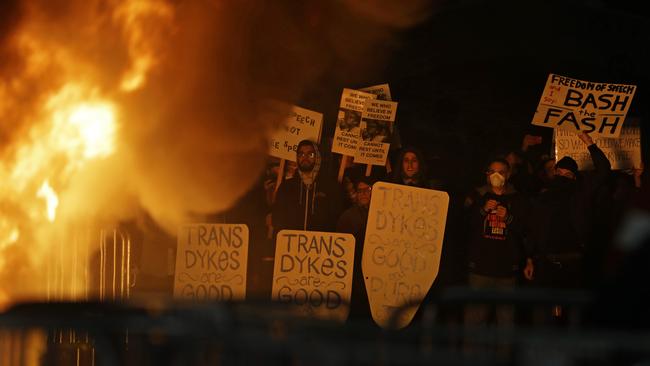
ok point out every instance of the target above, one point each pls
(497, 216)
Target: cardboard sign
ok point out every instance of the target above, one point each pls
(401, 254)
(576, 105)
(382, 91)
(348, 125)
(301, 124)
(313, 271)
(376, 128)
(623, 152)
(211, 262)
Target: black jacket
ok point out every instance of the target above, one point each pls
(319, 206)
(563, 216)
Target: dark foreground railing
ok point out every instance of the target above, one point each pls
(262, 333)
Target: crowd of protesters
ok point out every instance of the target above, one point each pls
(536, 221)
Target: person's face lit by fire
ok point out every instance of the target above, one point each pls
(497, 174)
(410, 165)
(364, 193)
(306, 158)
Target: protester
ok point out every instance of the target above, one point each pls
(353, 221)
(411, 170)
(562, 223)
(309, 201)
(497, 217)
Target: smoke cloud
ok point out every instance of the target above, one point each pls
(196, 87)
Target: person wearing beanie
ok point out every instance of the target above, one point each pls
(567, 167)
(562, 223)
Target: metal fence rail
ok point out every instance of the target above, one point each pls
(267, 333)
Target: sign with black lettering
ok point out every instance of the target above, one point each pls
(313, 271)
(348, 125)
(401, 254)
(576, 105)
(211, 262)
(623, 152)
(377, 123)
(301, 124)
(382, 91)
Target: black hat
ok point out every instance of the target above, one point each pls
(568, 163)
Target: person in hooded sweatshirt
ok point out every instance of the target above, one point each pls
(308, 201)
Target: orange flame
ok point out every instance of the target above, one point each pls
(51, 199)
(81, 70)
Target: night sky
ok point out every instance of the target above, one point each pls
(468, 80)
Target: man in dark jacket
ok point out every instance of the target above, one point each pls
(309, 201)
(563, 219)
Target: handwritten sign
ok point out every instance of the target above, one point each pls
(382, 91)
(576, 105)
(211, 262)
(623, 152)
(401, 254)
(376, 128)
(301, 124)
(348, 125)
(313, 271)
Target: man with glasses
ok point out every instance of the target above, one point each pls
(309, 200)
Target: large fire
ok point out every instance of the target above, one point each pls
(72, 121)
(76, 127)
(109, 108)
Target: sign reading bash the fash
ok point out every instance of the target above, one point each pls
(623, 152)
(302, 124)
(401, 254)
(313, 270)
(346, 135)
(211, 262)
(576, 105)
(376, 128)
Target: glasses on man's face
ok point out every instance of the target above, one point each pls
(306, 155)
(364, 190)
